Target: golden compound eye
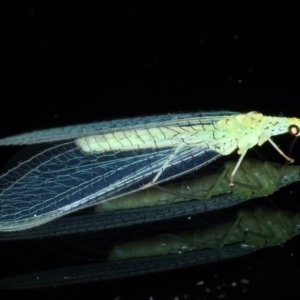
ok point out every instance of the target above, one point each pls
(294, 130)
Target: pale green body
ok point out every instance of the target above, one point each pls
(221, 134)
(258, 179)
(262, 227)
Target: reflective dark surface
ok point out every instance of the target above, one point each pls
(70, 65)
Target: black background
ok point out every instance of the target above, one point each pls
(70, 64)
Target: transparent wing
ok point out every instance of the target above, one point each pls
(267, 173)
(64, 179)
(77, 131)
